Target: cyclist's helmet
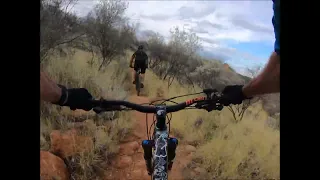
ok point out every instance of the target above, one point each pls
(140, 47)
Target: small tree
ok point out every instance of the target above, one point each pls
(104, 28)
(59, 28)
(157, 49)
(238, 111)
(208, 75)
(182, 48)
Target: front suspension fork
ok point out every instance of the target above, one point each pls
(147, 146)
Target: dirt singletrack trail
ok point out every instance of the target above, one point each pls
(130, 164)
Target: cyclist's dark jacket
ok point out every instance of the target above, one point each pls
(140, 57)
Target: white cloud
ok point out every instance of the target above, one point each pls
(216, 22)
(83, 7)
(161, 16)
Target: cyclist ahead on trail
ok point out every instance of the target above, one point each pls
(140, 61)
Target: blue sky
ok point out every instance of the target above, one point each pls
(259, 51)
(237, 32)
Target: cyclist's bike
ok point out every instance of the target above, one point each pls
(137, 79)
(159, 149)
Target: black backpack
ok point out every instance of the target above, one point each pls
(141, 56)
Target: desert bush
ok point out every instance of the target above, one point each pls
(178, 59)
(108, 31)
(175, 59)
(59, 27)
(158, 50)
(212, 74)
(239, 110)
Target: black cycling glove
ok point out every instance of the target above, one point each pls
(75, 98)
(233, 95)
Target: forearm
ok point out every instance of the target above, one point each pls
(268, 81)
(131, 60)
(49, 90)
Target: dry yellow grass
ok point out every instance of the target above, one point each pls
(248, 149)
(74, 71)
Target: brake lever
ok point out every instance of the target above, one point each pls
(210, 104)
(207, 105)
(212, 107)
(209, 108)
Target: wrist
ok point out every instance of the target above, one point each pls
(246, 92)
(64, 95)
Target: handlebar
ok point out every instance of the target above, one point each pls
(144, 109)
(209, 103)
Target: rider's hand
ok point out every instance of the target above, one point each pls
(76, 98)
(233, 95)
